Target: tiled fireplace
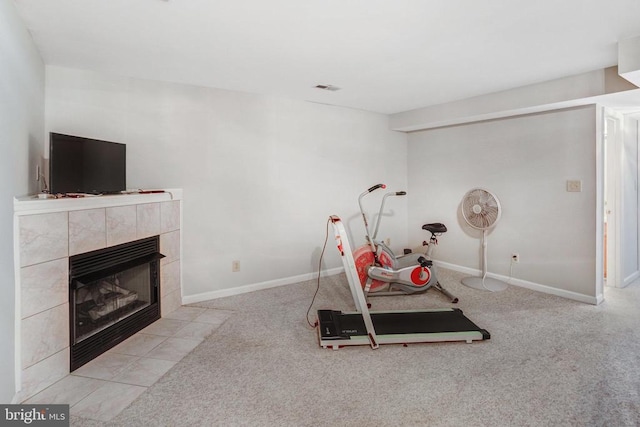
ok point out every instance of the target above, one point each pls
(50, 232)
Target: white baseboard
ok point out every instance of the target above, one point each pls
(205, 296)
(526, 284)
(631, 278)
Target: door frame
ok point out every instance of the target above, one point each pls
(612, 134)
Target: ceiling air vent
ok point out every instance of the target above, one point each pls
(327, 87)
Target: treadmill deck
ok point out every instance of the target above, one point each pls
(338, 329)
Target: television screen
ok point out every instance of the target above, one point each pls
(84, 165)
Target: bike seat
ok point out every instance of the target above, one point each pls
(436, 227)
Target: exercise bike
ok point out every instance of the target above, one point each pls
(382, 273)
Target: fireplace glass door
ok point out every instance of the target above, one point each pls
(104, 302)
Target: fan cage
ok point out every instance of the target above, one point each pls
(481, 209)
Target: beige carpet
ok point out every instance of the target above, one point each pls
(549, 362)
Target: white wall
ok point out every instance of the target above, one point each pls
(260, 175)
(630, 263)
(21, 127)
(526, 162)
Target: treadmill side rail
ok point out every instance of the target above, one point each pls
(342, 240)
(467, 337)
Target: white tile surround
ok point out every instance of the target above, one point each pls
(46, 233)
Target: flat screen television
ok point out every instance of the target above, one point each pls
(85, 165)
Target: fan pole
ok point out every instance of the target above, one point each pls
(484, 283)
(484, 253)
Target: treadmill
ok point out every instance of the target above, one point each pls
(363, 327)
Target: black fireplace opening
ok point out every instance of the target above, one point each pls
(113, 293)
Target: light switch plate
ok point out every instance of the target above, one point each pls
(574, 185)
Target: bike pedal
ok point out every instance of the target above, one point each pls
(425, 262)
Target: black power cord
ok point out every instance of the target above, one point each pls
(326, 238)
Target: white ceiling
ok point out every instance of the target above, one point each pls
(387, 55)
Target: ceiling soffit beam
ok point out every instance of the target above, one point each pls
(567, 92)
(629, 60)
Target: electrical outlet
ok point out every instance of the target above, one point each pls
(387, 241)
(515, 257)
(235, 266)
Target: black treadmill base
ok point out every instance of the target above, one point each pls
(336, 325)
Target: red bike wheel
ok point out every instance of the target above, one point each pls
(364, 259)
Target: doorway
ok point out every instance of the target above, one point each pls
(621, 239)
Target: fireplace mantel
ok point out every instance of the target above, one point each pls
(46, 233)
(30, 205)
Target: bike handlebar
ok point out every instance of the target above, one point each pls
(371, 237)
(375, 187)
(384, 199)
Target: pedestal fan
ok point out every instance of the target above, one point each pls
(481, 210)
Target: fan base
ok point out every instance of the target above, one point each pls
(486, 284)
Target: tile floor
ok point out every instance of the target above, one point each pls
(102, 388)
